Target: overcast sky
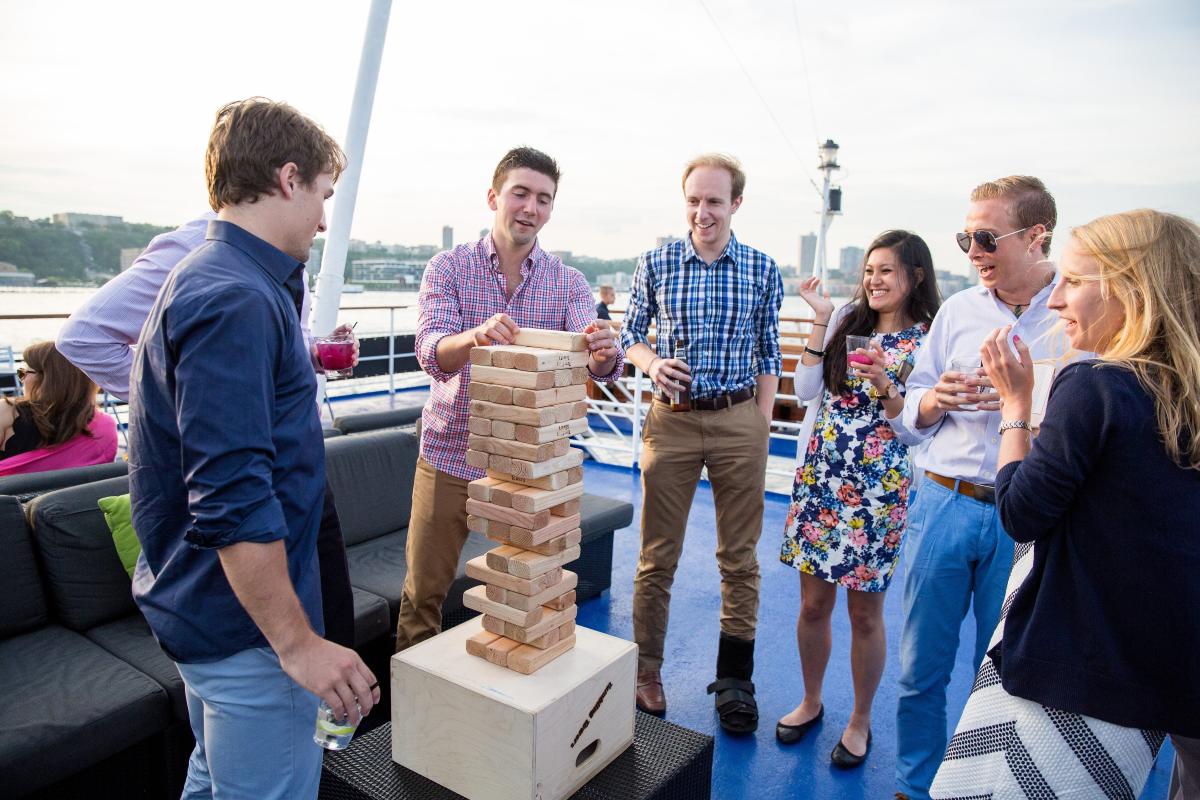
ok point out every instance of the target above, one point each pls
(107, 106)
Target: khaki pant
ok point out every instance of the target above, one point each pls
(437, 531)
(1185, 777)
(732, 443)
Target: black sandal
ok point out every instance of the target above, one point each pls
(735, 705)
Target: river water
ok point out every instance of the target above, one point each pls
(363, 308)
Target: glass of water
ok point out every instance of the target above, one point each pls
(970, 366)
(332, 733)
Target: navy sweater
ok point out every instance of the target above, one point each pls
(1108, 622)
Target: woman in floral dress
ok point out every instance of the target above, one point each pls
(850, 496)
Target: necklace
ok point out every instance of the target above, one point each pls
(1017, 308)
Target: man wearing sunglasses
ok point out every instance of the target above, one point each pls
(957, 554)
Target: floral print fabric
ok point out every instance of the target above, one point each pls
(850, 498)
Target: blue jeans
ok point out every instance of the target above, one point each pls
(954, 548)
(254, 731)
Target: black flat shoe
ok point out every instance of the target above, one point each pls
(790, 734)
(841, 757)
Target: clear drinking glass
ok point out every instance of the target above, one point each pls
(332, 733)
(337, 355)
(971, 366)
(855, 343)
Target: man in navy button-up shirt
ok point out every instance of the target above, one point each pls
(227, 468)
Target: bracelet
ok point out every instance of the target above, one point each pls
(820, 325)
(811, 352)
(1013, 424)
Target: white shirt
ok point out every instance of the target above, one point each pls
(965, 444)
(99, 337)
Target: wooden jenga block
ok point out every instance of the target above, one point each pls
(529, 499)
(521, 468)
(537, 398)
(550, 340)
(481, 489)
(562, 601)
(548, 433)
(521, 450)
(559, 480)
(552, 638)
(524, 634)
(569, 377)
(535, 359)
(497, 513)
(478, 569)
(478, 460)
(503, 430)
(488, 527)
(528, 660)
(516, 378)
(533, 417)
(566, 509)
(476, 599)
(548, 547)
(493, 648)
(555, 596)
(481, 355)
(480, 426)
(529, 564)
(497, 558)
(525, 537)
(490, 393)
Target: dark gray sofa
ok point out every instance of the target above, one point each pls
(84, 685)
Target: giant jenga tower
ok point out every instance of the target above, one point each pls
(527, 400)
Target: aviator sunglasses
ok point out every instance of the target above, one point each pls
(23, 371)
(985, 239)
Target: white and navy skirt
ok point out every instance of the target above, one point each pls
(1007, 747)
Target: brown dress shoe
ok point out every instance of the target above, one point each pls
(649, 694)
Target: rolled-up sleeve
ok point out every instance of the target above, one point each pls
(642, 306)
(228, 349)
(925, 374)
(581, 313)
(769, 356)
(439, 314)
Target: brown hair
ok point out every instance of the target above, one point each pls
(62, 401)
(253, 138)
(721, 161)
(525, 158)
(1029, 202)
(1150, 262)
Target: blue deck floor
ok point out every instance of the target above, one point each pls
(758, 767)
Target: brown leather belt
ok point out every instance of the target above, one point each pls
(977, 491)
(719, 402)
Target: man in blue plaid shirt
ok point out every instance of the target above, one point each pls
(720, 300)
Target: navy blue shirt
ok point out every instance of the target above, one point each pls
(224, 444)
(1105, 624)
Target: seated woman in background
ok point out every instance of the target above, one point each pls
(850, 496)
(1098, 655)
(56, 424)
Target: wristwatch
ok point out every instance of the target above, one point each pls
(892, 391)
(1010, 424)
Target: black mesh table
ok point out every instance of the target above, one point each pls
(665, 762)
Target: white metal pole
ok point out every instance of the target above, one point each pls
(333, 260)
(819, 259)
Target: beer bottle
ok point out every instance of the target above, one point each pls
(681, 400)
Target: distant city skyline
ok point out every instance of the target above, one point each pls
(108, 109)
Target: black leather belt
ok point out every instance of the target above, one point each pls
(720, 401)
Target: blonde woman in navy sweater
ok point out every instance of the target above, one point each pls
(1098, 655)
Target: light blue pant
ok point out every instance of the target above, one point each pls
(254, 731)
(954, 548)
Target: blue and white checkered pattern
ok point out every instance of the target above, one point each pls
(725, 313)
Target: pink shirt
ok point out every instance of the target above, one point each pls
(81, 451)
(465, 287)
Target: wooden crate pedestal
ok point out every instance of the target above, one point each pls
(490, 733)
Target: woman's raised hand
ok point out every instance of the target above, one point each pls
(810, 290)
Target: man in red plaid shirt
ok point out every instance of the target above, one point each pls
(481, 294)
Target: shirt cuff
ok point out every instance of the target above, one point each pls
(263, 524)
(427, 356)
(908, 418)
(770, 366)
(617, 371)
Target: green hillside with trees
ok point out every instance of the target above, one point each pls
(55, 253)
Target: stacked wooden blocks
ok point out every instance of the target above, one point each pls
(527, 400)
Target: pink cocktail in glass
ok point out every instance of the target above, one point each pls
(337, 356)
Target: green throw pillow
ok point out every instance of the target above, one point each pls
(118, 516)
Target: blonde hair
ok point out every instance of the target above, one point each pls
(1150, 262)
(1029, 202)
(720, 161)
